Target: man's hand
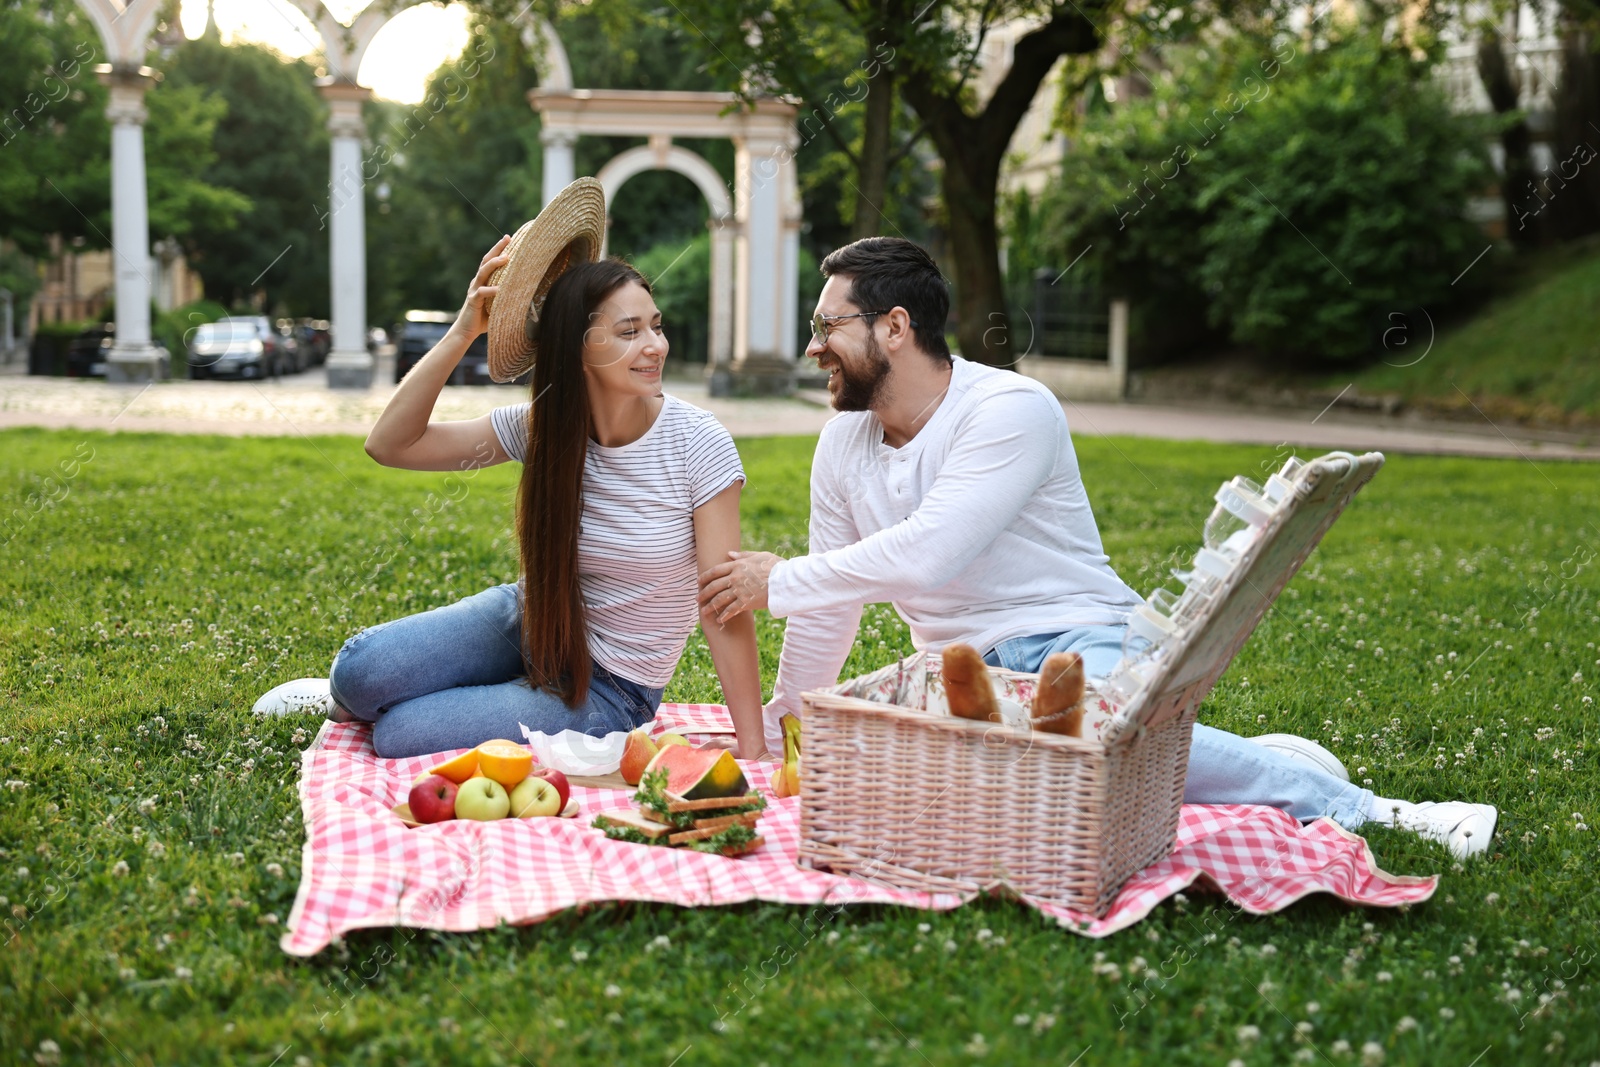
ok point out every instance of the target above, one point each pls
(737, 586)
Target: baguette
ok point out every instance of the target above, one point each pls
(967, 686)
(1058, 702)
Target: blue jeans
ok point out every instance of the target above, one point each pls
(453, 677)
(1224, 768)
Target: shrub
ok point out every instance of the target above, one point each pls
(1303, 194)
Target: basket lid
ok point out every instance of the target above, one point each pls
(1194, 658)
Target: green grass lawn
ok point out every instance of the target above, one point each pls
(1533, 353)
(150, 835)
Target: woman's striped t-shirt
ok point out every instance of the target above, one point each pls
(636, 558)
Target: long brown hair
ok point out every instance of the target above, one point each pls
(555, 631)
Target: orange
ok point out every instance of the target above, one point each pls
(505, 761)
(459, 769)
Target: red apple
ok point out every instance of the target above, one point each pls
(557, 779)
(433, 799)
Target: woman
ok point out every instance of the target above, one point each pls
(626, 496)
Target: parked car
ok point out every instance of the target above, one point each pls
(244, 346)
(87, 352)
(421, 330)
(315, 338)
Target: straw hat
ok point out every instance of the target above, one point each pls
(570, 230)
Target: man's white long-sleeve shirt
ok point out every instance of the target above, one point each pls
(978, 529)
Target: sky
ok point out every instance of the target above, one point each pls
(405, 52)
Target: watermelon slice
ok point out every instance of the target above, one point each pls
(698, 773)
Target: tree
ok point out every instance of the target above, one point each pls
(271, 147)
(54, 141)
(926, 52)
(1297, 243)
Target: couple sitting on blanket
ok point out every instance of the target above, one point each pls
(946, 487)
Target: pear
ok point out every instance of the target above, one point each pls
(636, 756)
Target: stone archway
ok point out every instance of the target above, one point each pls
(662, 154)
(765, 231)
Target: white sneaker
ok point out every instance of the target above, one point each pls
(303, 696)
(1465, 829)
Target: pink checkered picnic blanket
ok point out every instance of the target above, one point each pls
(363, 868)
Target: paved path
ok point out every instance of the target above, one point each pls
(304, 405)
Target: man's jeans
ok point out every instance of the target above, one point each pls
(453, 677)
(1224, 768)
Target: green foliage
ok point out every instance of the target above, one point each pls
(157, 591)
(270, 148)
(55, 168)
(1303, 193)
(680, 278)
(462, 168)
(179, 146)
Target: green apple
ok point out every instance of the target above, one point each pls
(535, 796)
(482, 799)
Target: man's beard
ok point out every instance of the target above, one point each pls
(861, 387)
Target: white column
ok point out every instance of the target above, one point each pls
(720, 354)
(133, 358)
(759, 366)
(559, 163)
(789, 328)
(350, 365)
(1117, 347)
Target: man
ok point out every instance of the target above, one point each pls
(952, 490)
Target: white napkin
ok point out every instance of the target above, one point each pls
(574, 752)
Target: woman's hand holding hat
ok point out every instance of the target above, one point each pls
(474, 317)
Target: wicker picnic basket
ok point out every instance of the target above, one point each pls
(896, 791)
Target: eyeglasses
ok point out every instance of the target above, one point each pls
(821, 324)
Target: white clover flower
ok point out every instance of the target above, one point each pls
(182, 974)
(1384, 976)
(1248, 1034)
(1312, 1007)
(275, 869)
(1021, 1020)
(985, 934)
(1372, 1052)
(579, 955)
(613, 991)
(1491, 899)
(119, 868)
(1447, 1014)
(1340, 1047)
(1405, 1025)
(147, 805)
